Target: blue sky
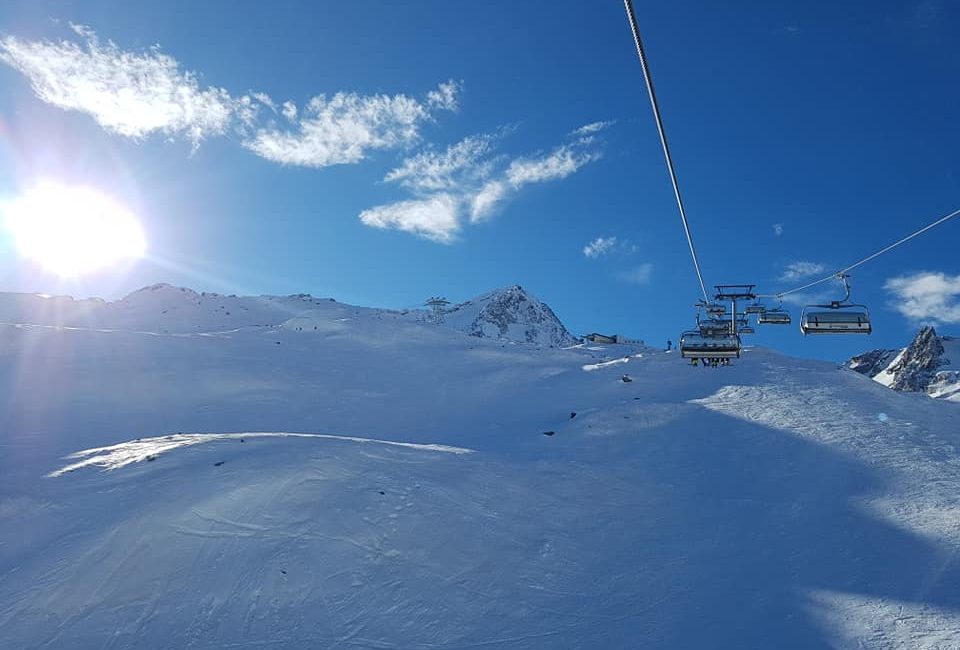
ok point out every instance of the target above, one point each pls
(457, 148)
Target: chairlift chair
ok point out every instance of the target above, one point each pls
(755, 308)
(715, 309)
(694, 345)
(837, 317)
(774, 317)
(713, 327)
(747, 329)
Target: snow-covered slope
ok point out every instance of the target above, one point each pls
(930, 364)
(510, 313)
(160, 308)
(382, 483)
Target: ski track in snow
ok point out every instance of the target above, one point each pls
(106, 330)
(590, 367)
(141, 449)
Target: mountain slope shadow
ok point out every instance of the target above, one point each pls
(737, 524)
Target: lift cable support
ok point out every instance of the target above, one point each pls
(733, 293)
(439, 306)
(840, 274)
(663, 141)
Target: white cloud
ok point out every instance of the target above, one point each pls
(810, 298)
(435, 218)
(133, 94)
(266, 100)
(431, 171)
(140, 93)
(599, 246)
(593, 127)
(927, 296)
(346, 127)
(445, 97)
(638, 275)
(778, 229)
(484, 202)
(560, 163)
(472, 180)
(800, 270)
(289, 110)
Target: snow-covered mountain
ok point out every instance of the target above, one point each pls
(930, 364)
(307, 474)
(510, 313)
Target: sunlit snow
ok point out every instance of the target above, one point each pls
(767, 504)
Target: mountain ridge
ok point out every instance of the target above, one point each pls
(510, 313)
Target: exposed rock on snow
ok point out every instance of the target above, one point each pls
(924, 366)
(510, 313)
(873, 362)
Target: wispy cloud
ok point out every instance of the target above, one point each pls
(343, 129)
(602, 246)
(436, 218)
(799, 270)
(637, 275)
(559, 163)
(593, 127)
(927, 296)
(446, 97)
(599, 246)
(809, 298)
(431, 171)
(778, 229)
(146, 92)
(129, 93)
(483, 202)
(468, 182)
(791, 29)
(925, 14)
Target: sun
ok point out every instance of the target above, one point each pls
(72, 230)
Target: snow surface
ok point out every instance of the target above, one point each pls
(776, 503)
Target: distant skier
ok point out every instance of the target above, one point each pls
(669, 345)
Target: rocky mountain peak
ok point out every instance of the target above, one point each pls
(922, 366)
(918, 363)
(510, 313)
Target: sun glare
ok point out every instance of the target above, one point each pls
(72, 230)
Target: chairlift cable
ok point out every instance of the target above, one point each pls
(663, 141)
(866, 259)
